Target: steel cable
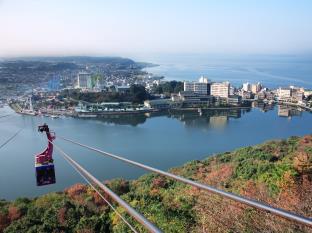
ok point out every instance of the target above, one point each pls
(250, 202)
(11, 138)
(140, 218)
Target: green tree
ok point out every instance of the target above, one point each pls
(138, 93)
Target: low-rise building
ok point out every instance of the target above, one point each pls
(158, 103)
(191, 99)
(269, 95)
(297, 96)
(234, 100)
(307, 93)
(260, 96)
(123, 89)
(246, 94)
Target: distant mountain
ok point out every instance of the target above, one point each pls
(76, 59)
(33, 65)
(38, 70)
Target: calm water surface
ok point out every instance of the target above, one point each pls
(163, 141)
(272, 71)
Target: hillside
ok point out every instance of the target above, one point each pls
(276, 172)
(36, 70)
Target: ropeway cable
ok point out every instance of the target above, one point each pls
(6, 115)
(140, 218)
(3, 118)
(99, 193)
(258, 205)
(11, 138)
(107, 202)
(130, 210)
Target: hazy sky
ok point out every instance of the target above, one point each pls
(123, 27)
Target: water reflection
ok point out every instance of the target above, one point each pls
(217, 118)
(200, 119)
(132, 120)
(164, 140)
(288, 111)
(264, 107)
(208, 118)
(213, 118)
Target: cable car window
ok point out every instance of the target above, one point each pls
(45, 174)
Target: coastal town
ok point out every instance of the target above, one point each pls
(155, 116)
(121, 86)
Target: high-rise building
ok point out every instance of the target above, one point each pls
(255, 88)
(246, 86)
(201, 87)
(84, 80)
(220, 89)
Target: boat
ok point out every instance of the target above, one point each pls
(54, 116)
(87, 115)
(28, 112)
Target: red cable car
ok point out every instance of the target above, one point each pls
(45, 173)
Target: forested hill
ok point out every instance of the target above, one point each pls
(34, 70)
(277, 172)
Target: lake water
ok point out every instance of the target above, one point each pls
(272, 71)
(162, 140)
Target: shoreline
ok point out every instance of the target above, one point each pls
(294, 105)
(211, 108)
(56, 114)
(17, 108)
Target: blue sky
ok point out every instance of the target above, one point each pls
(125, 27)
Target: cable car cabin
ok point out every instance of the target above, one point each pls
(45, 173)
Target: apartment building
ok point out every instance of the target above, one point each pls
(220, 89)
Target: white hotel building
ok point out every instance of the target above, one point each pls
(201, 87)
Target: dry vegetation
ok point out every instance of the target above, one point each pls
(278, 173)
